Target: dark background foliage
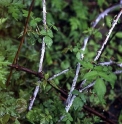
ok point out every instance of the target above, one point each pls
(70, 21)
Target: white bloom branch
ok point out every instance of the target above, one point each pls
(108, 35)
(101, 16)
(73, 84)
(118, 72)
(41, 58)
(111, 63)
(56, 75)
(71, 97)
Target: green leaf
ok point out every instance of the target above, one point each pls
(83, 97)
(16, 122)
(104, 76)
(46, 76)
(98, 35)
(64, 119)
(75, 23)
(43, 32)
(68, 122)
(33, 23)
(44, 84)
(75, 49)
(119, 34)
(75, 92)
(65, 64)
(55, 28)
(105, 68)
(100, 89)
(113, 78)
(100, 2)
(2, 20)
(5, 118)
(50, 33)
(98, 68)
(38, 19)
(90, 75)
(69, 117)
(21, 105)
(48, 41)
(78, 55)
(86, 65)
(78, 103)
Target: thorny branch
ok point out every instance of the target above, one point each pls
(108, 35)
(73, 84)
(71, 97)
(21, 42)
(111, 63)
(102, 15)
(42, 56)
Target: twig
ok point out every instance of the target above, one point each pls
(101, 16)
(56, 75)
(73, 97)
(70, 101)
(42, 55)
(118, 72)
(97, 114)
(21, 42)
(111, 63)
(108, 35)
(73, 84)
(43, 43)
(20, 68)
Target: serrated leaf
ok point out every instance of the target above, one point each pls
(104, 76)
(75, 49)
(33, 23)
(46, 76)
(43, 32)
(86, 65)
(77, 103)
(21, 105)
(55, 28)
(113, 78)
(38, 19)
(50, 33)
(100, 89)
(68, 122)
(64, 119)
(48, 41)
(44, 84)
(90, 75)
(75, 92)
(98, 68)
(105, 68)
(69, 117)
(83, 97)
(98, 35)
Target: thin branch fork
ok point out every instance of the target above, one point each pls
(37, 74)
(21, 42)
(20, 68)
